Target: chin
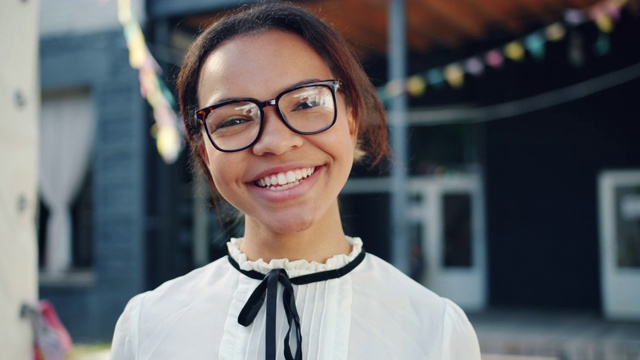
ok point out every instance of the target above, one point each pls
(292, 228)
(289, 225)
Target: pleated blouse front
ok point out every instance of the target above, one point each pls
(372, 312)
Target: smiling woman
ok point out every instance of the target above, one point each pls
(277, 109)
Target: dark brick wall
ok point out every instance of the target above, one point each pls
(99, 62)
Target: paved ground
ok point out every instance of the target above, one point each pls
(89, 352)
(555, 335)
(98, 355)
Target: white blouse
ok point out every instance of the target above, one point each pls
(372, 312)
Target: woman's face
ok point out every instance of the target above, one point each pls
(261, 66)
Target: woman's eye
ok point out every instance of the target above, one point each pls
(232, 122)
(307, 103)
(234, 117)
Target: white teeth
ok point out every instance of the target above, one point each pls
(282, 179)
(285, 180)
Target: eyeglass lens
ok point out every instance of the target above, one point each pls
(306, 110)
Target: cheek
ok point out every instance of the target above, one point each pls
(227, 171)
(215, 169)
(222, 181)
(342, 145)
(216, 164)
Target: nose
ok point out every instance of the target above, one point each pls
(276, 138)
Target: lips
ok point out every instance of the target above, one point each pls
(285, 180)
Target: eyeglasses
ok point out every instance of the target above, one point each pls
(236, 124)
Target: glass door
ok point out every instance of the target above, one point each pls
(619, 204)
(451, 216)
(447, 231)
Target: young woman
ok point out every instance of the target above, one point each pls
(276, 109)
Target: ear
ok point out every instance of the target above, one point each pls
(202, 149)
(353, 125)
(358, 153)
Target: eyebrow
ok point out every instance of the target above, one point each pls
(302, 82)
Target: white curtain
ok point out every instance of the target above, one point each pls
(66, 138)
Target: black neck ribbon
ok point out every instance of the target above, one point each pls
(268, 288)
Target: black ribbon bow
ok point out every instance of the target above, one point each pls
(268, 288)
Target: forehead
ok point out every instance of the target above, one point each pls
(258, 65)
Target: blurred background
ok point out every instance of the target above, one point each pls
(521, 179)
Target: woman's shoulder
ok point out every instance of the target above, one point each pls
(407, 307)
(173, 308)
(392, 289)
(214, 277)
(377, 279)
(378, 273)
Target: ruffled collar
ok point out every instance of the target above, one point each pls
(297, 267)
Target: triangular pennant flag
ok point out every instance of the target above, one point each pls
(555, 32)
(534, 43)
(454, 75)
(494, 58)
(434, 77)
(474, 66)
(514, 51)
(416, 85)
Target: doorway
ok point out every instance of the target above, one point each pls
(447, 231)
(619, 210)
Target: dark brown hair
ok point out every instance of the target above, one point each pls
(331, 46)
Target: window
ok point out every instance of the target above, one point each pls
(66, 137)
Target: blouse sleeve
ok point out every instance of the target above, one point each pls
(125, 337)
(459, 341)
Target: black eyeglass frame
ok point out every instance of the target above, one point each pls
(334, 85)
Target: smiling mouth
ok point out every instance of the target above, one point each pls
(285, 180)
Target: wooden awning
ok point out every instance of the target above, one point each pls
(448, 23)
(431, 23)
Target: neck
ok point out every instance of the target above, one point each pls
(318, 242)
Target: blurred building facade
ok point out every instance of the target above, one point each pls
(87, 83)
(508, 173)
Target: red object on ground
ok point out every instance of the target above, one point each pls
(53, 341)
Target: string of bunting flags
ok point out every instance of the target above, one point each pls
(168, 129)
(603, 14)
